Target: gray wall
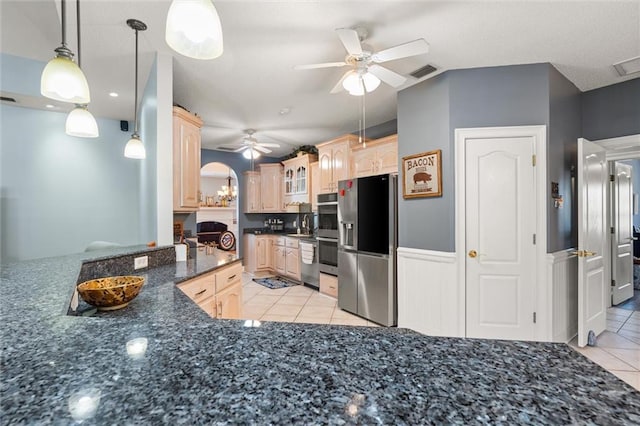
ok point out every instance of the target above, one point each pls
(611, 111)
(149, 134)
(563, 132)
(423, 125)
(429, 113)
(61, 192)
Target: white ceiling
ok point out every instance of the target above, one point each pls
(254, 79)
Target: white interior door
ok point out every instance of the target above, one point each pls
(593, 286)
(500, 208)
(622, 243)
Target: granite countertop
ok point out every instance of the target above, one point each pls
(172, 364)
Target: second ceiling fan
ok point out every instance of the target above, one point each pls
(365, 73)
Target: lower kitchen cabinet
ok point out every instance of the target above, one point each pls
(257, 252)
(292, 264)
(329, 285)
(218, 293)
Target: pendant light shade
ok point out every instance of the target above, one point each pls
(193, 29)
(80, 122)
(62, 79)
(134, 148)
(354, 86)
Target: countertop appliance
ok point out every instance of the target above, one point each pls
(367, 215)
(309, 268)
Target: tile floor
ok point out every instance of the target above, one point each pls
(293, 304)
(618, 348)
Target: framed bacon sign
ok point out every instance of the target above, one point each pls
(422, 175)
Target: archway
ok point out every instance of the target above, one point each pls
(218, 196)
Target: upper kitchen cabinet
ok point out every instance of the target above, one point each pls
(251, 193)
(315, 185)
(333, 157)
(186, 160)
(297, 179)
(378, 157)
(270, 188)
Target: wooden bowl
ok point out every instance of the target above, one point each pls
(110, 293)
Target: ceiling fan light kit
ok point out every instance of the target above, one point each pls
(364, 63)
(61, 78)
(193, 29)
(134, 147)
(250, 154)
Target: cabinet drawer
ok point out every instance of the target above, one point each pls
(292, 242)
(199, 288)
(280, 241)
(209, 306)
(329, 285)
(228, 276)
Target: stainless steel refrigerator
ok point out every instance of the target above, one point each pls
(367, 225)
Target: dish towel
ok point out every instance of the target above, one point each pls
(306, 252)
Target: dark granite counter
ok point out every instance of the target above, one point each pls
(165, 361)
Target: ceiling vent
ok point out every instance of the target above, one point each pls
(7, 99)
(226, 148)
(421, 72)
(630, 66)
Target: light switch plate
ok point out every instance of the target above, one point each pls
(141, 262)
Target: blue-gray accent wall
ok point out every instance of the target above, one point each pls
(611, 111)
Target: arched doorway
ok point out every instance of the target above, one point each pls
(218, 196)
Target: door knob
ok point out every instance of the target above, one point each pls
(473, 253)
(584, 253)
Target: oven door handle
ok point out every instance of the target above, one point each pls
(328, 240)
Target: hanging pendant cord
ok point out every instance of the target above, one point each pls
(135, 107)
(78, 26)
(63, 10)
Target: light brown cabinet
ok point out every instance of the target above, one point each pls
(257, 252)
(378, 157)
(315, 185)
(328, 285)
(252, 198)
(333, 158)
(270, 188)
(186, 161)
(297, 179)
(292, 263)
(218, 293)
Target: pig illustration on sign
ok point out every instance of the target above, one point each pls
(423, 177)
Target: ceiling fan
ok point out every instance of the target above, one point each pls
(250, 147)
(365, 73)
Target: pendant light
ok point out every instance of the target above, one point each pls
(135, 148)
(80, 122)
(62, 79)
(356, 83)
(193, 29)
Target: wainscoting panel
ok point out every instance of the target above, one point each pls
(429, 296)
(562, 271)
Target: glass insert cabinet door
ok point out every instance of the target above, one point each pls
(301, 180)
(289, 182)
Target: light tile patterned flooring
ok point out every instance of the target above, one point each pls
(618, 348)
(293, 304)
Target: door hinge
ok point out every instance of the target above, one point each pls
(612, 178)
(613, 283)
(533, 160)
(534, 239)
(534, 318)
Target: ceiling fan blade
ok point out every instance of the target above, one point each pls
(338, 87)
(392, 78)
(315, 66)
(268, 145)
(262, 149)
(412, 48)
(350, 40)
(242, 148)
